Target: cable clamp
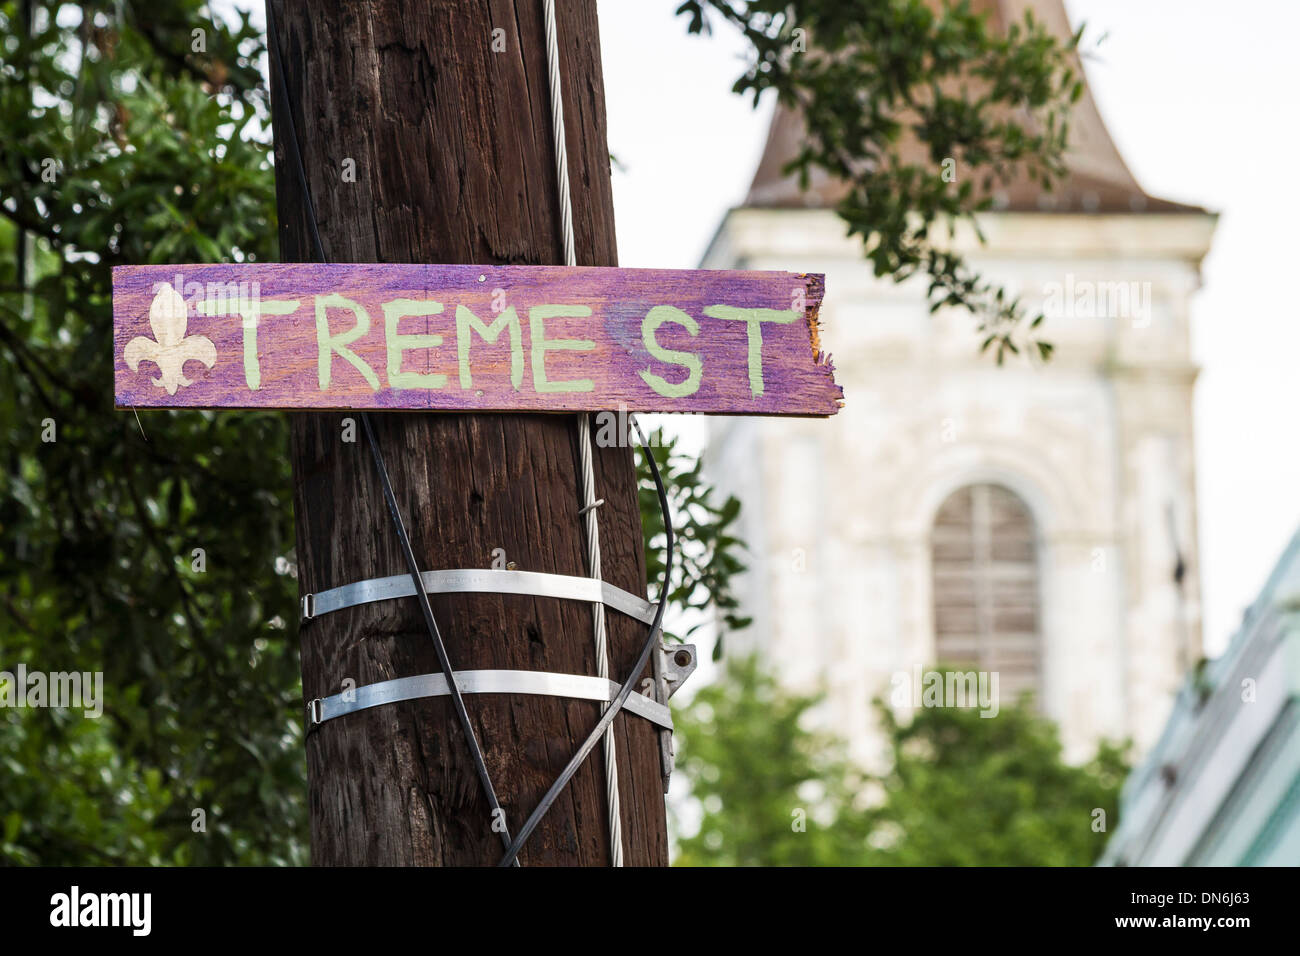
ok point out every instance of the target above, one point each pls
(672, 665)
(678, 662)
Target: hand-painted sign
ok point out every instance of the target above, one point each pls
(470, 338)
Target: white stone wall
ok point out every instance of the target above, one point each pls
(1098, 443)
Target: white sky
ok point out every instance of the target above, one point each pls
(1202, 99)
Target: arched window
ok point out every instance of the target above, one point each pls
(985, 568)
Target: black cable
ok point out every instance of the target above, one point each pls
(457, 700)
(512, 851)
(440, 649)
(291, 142)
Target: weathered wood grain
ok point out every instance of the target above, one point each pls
(454, 164)
(491, 338)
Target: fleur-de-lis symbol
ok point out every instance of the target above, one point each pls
(168, 319)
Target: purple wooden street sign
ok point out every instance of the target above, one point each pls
(470, 338)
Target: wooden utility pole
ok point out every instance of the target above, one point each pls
(425, 135)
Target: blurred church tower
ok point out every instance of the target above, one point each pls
(1034, 520)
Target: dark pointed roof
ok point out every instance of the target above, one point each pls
(1097, 179)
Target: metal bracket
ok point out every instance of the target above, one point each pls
(679, 663)
(672, 665)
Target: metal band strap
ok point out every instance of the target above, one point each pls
(476, 580)
(483, 682)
